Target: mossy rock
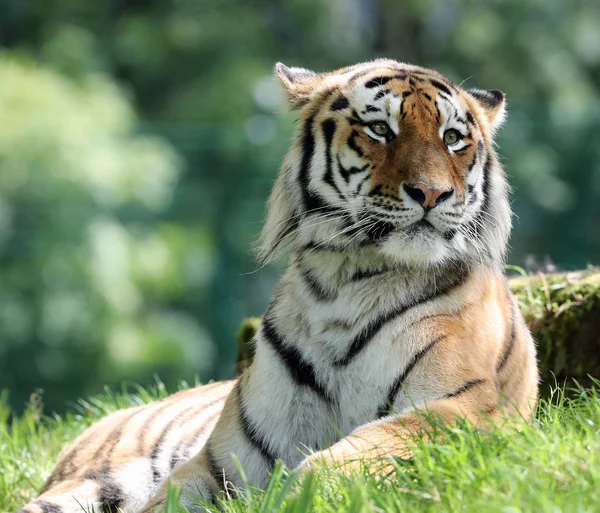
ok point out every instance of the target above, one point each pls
(562, 310)
(244, 337)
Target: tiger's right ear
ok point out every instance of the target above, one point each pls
(299, 84)
(493, 103)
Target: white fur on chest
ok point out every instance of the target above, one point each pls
(299, 419)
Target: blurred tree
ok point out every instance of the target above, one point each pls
(87, 271)
(149, 257)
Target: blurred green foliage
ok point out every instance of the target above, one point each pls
(139, 139)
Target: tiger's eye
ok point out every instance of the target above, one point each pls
(451, 136)
(380, 128)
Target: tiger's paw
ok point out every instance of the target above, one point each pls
(189, 485)
(159, 502)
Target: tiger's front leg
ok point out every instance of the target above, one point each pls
(377, 444)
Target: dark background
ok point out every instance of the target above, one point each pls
(139, 140)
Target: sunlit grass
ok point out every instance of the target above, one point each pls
(552, 465)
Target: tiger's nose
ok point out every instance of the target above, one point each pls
(428, 197)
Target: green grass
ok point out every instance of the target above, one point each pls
(550, 466)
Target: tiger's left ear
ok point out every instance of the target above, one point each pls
(493, 103)
(299, 84)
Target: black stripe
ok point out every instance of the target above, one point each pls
(201, 431)
(352, 143)
(141, 434)
(480, 149)
(374, 67)
(251, 432)
(110, 495)
(312, 201)
(427, 317)
(339, 104)
(490, 98)
(472, 164)
(377, 82)
(114, 436)
(449, 234)
(440, 86)
(480, 220)
(361, 73)
(374, 327)
(368, 273)
(511, 340)
(61, 473)
(324, 246)
(485, 189)
(48, 507)
(158, 445)
(346, 173)
(284, 232)
(193, 412)
(372, 108)
(318, 105)
(464, 388)
(380, 81)
(470, 118)
(301, 371)
(381, 94)
(175, 455)
(315, 287)
(386, 409)
(438, 114)
(328, 127)
(218, 473)
(360, 184)
(357, 119)
(463, 149)
(452, 214)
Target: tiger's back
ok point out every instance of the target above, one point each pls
(121, 460)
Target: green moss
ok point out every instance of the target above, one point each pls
(563, 312)
(244, 336)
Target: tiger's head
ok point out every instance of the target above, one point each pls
(395, 157)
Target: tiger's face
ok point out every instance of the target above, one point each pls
(396, 157)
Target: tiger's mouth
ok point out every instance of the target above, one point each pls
(381, 230)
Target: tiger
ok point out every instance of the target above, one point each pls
(392, 209)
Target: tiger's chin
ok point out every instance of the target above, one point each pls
(421, 245)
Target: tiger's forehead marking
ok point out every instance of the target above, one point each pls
(398, 93)
(395, 94)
